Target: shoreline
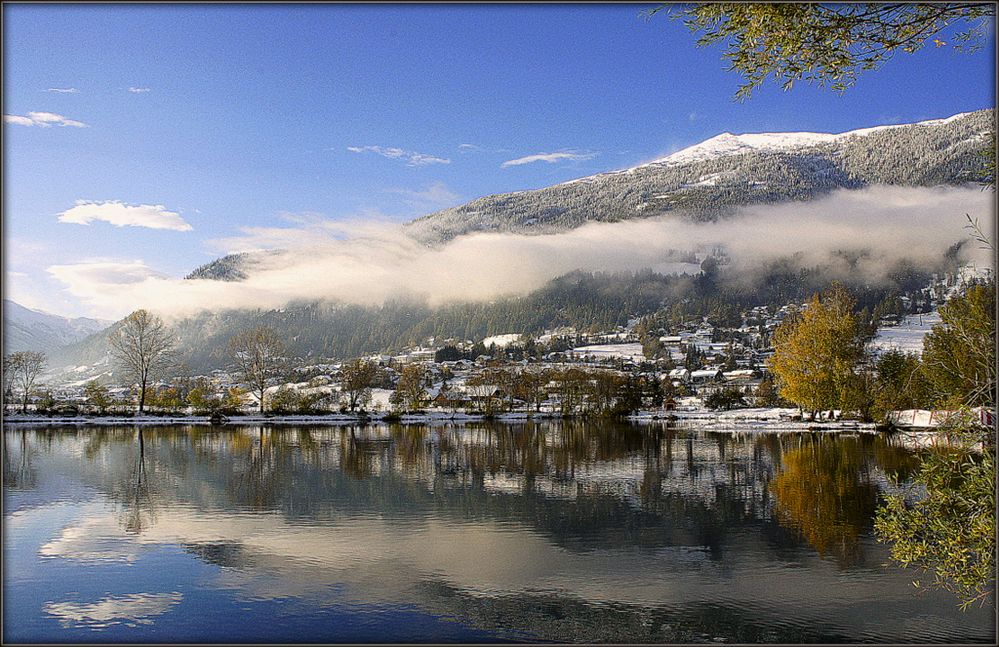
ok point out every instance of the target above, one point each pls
(721, 421)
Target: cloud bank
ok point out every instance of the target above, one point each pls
(43, 120)
(367, 263)
(63, 90)
(115, 212)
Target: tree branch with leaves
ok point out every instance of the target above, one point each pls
(824, 44)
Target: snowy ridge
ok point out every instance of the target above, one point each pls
(727, 144)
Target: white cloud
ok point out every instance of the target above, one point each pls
(550, 158)
(135, 90)
(42, 119)
(93, 283)
(63, 90)
(153, 216)
(412, 158)
(18, 120)
(103, 271)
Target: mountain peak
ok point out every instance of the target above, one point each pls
(727, 143)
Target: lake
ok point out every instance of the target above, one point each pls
(536, 532)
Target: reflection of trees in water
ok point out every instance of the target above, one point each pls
(583, 484)
(359, 456)
(139, 510)
(826, 490)
(129, 488)
(546, 617)
(18, 468)
(264, 477)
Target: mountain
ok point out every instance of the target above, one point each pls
(711, 179)
(27, 329)
(703, 182)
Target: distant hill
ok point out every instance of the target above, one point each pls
(27, 329)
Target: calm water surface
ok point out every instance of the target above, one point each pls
(536, 532)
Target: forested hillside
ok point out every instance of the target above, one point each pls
(583, 300)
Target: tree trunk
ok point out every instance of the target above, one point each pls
(262, 400)
(142, 396)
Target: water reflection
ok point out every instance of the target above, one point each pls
(18, 468)
(139, 608)
(574, 531)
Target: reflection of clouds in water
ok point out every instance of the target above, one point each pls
(363, 559)
(136, 608)
(94, 539)
(441, 561)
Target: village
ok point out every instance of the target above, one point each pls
(638, 371)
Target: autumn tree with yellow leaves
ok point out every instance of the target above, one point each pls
(817, 352)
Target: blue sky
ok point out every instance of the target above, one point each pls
(230, 117)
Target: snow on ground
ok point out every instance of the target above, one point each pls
(632, 351)
(380, 399)
(907, 336)
(501, 341)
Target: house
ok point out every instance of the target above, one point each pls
(483, 392)
(679, 375)
(448, 398)
(705, 375)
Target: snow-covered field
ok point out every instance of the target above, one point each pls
(632, 351)
(907, 336)
(501, 341)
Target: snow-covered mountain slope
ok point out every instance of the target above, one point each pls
(711, 179)
(728, 144)
(27, 329)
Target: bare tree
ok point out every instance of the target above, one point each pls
(411, 390)
(10, 363)
(143, 347)
(21, 369)
(256, 355)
